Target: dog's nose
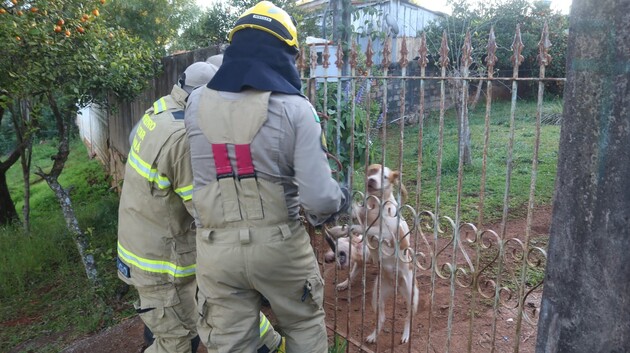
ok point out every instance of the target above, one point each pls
(372, 183)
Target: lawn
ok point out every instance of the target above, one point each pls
(496, 172)
(44, 292)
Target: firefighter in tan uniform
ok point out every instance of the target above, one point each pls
(257, 157)
(156, 233)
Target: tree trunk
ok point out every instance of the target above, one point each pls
(473, 104)
(585, 306)
(72, 223)
(25, 160)
(62, 195)
(27, 153)
(8, 214)
(23, 126)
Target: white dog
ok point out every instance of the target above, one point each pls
(386, 235)
(349, 251)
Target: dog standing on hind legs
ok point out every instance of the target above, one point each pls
(389, 230)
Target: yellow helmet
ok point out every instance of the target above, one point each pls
(267, 17)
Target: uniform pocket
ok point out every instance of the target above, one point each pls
(314, 290)
(204, 328)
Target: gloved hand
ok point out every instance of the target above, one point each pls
(346, 201)
(344, 207)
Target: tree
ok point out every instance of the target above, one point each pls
(157, 22)
(504, 16)
(585, 306)
(214, 25)
(64, 54)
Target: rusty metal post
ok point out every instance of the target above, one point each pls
(585, 305)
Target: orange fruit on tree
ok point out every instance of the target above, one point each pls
(57, 29)
(20, 13)
(18, 38)
(60, 22)
(102, 2)
(95, 12)
(3, 11)
(34, 9)
(85, 16)
(67, 33)
(80, 29)
(14, 2)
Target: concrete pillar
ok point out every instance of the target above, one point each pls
(586, 298)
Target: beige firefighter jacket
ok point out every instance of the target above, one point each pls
(285, 143)
(156, 236)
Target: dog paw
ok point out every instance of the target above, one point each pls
(405, 335)
(342, 286)
(371, 338)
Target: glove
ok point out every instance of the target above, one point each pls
(344, 207)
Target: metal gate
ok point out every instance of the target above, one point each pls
(479, 278)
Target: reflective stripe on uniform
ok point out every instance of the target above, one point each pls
(155, 266)
(185, 192)
(159, 106)
(144, 169)
(264, 325)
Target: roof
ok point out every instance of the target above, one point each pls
(319, 5)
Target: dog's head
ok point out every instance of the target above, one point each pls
(338, 235)
(377, 173)
(343, 254)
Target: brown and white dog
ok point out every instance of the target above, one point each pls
(349, 251)
(380, 189)
(387, 240)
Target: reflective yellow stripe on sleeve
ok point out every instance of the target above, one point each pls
(264, 325)
(144, 169)
(159, 106)
(155, 266)
(185, 192)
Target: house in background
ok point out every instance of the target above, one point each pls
(394, 18)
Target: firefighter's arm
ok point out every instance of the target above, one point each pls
(180, 172)
(320, 195)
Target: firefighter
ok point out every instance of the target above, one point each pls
(156, 231)
(257, 156)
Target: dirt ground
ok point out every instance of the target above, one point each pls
(434, 319)
(352, 312)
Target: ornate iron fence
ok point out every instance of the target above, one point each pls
(479, 279)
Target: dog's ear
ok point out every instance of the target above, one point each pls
(337, 231)
(394, 177)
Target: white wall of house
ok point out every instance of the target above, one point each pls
(409, 18)
(93, 129)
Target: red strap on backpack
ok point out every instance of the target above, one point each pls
(222, 161)
(244, 164)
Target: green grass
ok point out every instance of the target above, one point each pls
(338, 345)
(44, 291)
(43, 287)
(524, 137)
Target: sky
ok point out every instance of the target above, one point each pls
(439, 5)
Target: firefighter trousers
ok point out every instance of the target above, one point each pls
(236, 267)
(169, 312)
